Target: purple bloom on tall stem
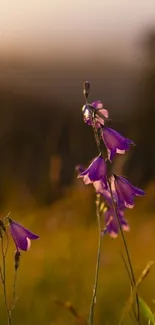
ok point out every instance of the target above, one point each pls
(96, 171)
(95, 108)
(114, 142)
(21, 235)
(125, 191)
(112, 226)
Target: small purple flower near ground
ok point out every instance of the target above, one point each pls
(112, 226)
(21, 235)
(125, 191)
(96, 171)
(115, 142)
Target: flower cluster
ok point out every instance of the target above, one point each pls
(113, 188)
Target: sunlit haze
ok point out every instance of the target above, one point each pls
(63, 28)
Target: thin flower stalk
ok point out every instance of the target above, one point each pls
(3, 277)
(133, 281)
(14, 297)
(100, 236)
(16, 266)
(117, 192)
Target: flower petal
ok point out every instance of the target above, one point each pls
(112, 225)
(115, 142)
(87, 115)
(121, 152)
(138, 191)
(126, 191)
(97, 104)
(28, 243)
(96, 171)
(86, 179)
(21, 235)
(20, 241)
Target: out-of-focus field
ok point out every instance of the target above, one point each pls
(61, 264)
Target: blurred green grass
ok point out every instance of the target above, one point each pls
(61, 264)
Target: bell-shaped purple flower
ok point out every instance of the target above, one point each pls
(112, 226)
(96, 110)
(105, 192)
(96, 171)
(125, 191)
(21, 235)
(114, 142)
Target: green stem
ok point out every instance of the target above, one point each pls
(126, 250)
(3, 275)
(14, 299)
(93, 302)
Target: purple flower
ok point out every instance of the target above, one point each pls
(125, 191)
(114, 142)
(105, 192)
(21, 235)
(79, 168)
(95, 109)
(95, 172)
(111, 222)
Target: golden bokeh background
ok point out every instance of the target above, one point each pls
(47, 49)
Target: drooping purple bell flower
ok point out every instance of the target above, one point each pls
(96, 171)
(112, 226)
(105, 192)
(111, 223)
(21, 235)
(95, 112)
(114, 142)
(125, 191)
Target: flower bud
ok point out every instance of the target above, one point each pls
(86, 88)
(17, 259)
(2, 226)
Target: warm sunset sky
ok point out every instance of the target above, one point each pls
(64, 27)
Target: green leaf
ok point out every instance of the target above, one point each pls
(134, 290)
(146, 312)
